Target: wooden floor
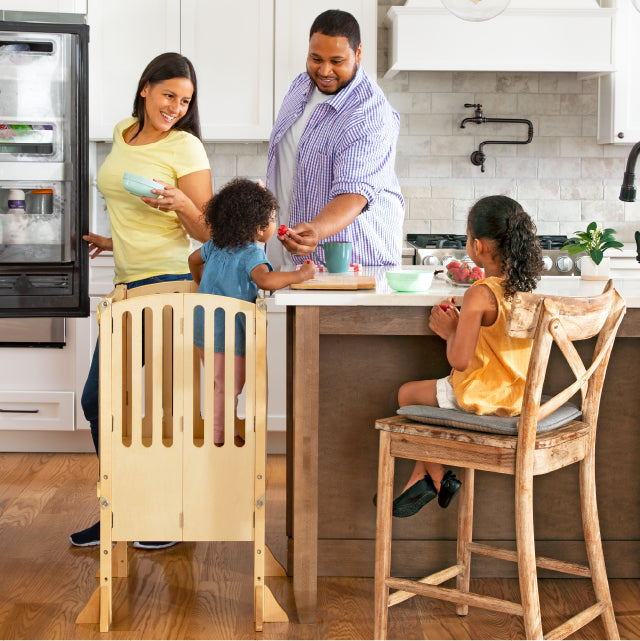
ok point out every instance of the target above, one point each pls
(203, 590)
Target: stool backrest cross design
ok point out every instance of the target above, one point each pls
(521, 447)
(162, 476)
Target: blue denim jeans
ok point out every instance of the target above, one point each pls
(91, 389)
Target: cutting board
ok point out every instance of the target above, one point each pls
(334, 281)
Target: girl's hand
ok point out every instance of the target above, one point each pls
(307, 270)
(98, 244)
(169, 199)
(444, 322)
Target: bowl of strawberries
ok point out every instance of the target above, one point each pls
(463, 274)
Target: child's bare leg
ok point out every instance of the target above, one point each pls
(421, 393)
(240, 376)
(418, 393)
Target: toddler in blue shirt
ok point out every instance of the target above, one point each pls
(231, 263)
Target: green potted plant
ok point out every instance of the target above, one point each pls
(594, 241)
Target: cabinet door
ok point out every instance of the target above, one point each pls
(125, 36)
(619, 92)
(231, 47)
(293, 21)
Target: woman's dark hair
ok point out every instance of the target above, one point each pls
(235, 213)
(337, 23)
(165, 67)
(502, 220)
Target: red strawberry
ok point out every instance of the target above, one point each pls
(444, 307)
(283, 230)
(453, 264)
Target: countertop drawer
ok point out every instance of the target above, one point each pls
(36, 410)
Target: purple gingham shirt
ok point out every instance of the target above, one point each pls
(348, 146)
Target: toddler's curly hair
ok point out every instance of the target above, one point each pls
(236, 212)
(502, 220)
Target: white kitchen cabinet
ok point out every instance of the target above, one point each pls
(293, 21)
(38, 385)
(231, 46)
(36, 410)
(46, 6)
(125, 35)
(619, 92)
(229, 43)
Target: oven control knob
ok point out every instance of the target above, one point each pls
(430, 260)
(564, 264)
(578, 264)
(547, 263)
(447, 259)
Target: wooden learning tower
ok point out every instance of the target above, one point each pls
(162, 478)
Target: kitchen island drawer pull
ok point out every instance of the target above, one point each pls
(19, 411)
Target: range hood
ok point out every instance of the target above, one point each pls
(530, 35)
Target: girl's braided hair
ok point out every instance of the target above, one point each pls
(502, 220)
(237, 211)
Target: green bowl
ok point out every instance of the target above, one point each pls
(139, 185)
(410, 280)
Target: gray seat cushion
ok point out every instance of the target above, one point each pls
(492, 424)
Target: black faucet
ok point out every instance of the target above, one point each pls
(478, 157)
(628, 190)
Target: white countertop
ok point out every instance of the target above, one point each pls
(626, 282)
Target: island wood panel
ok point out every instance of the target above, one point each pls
(414, 320)
(365, 354)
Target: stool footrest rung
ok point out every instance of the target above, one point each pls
(456, 596)
(575, 623)
(433, 579)
(541, 561)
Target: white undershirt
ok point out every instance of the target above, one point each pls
(285, 171)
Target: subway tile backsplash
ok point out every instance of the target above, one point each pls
(563, 178)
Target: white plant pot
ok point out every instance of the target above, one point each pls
(590, 271)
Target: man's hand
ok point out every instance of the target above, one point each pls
(300, 240)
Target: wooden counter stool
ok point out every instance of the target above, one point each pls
(162, 478)
(547, 436)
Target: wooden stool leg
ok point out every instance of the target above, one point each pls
(593, 543)
(465, 534)
(527, 556)
(383, 536)
(106, 570)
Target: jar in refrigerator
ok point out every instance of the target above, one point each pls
(16, 201)
(40, 202)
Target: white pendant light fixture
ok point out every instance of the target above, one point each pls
(478, 10)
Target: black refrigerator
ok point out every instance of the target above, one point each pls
(44, 168)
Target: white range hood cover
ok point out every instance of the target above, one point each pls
(530, 35)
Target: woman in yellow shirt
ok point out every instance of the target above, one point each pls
(151, 236)
(489, 368)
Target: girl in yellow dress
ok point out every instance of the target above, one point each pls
(489, 368)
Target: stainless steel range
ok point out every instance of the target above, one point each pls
(439, 249)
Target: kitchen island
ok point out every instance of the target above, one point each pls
(347, 354)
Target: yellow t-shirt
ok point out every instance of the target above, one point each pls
(147, 242)
(494, 382)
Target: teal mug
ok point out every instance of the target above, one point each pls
(337, 256)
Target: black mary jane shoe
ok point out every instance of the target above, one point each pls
(414, 498)
(449, 487)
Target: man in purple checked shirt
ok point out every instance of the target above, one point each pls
(332, 153)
